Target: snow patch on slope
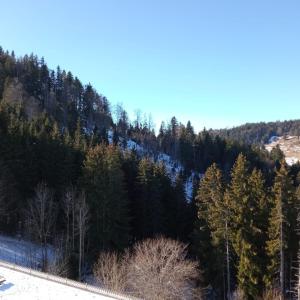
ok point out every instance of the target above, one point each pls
(173, 168)
(289, 145)
(23, 253)
(273, 139)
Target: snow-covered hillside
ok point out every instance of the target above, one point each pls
(173, 167)
(16, 255)
(289, 145)
(22, 285)
(21, 252)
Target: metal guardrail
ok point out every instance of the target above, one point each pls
(66, 281)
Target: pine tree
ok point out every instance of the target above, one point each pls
(149, 206)
(282, 240)
(247, 202)
(252, 260)
(79, 141)
(237, 196)
(212, 227)
(103, 181)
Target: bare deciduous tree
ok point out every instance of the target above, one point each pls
(59, 264)
(82, 218)
(271, 295)
(111, 271)
(154, 269)
(41, 218)
(159, 269)
(69, 207)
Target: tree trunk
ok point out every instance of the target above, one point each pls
(281, 258)
(227, 263)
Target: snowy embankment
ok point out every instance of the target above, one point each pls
(19, 262)
(23, 283)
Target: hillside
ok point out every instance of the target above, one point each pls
(259, 133)
(22, 252)
(289, 145)
(22, 283)
(77, 175)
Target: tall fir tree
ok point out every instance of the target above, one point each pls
(247, 200)
(211, 231)
(149, 206)
(282, 238)
(103, 181)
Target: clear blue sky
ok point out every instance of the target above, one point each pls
(217, 63)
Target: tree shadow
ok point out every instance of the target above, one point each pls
(6, 286)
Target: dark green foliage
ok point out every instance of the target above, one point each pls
(56, 130)
(103, 180)
(282, 242)
(247, 200)
(259, 133)
(149, 206)
(28, 82)
(232, 227)
(210, 232)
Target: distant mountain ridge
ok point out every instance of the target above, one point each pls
(259, 133)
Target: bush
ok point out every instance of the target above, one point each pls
(152, 269)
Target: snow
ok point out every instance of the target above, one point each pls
(173, 167)
(291, 160)
(21, 252)
(289, 145)
(290, 137)
(273, 139)
(189, 186)
(131, 145)
(19, 285)
(110, 136)
(19, 261)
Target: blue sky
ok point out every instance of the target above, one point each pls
(216, 63)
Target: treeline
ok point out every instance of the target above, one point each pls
(129, 198)
(28, 84)
(259, 133)
(66, 180)
(246, 233)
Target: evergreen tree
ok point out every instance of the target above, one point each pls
(149, 206)
(282, 239)
(247, 201)
(103, 181)
(211, 232)
(252, 260)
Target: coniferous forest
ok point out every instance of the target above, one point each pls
(68, 179)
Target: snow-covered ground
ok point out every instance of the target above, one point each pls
(21, 252)
(22, 286)
(289, 145)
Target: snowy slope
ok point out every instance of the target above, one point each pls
(21, 252)
(173, 168)
(19, 259)
(20, 285)
(289, 145)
